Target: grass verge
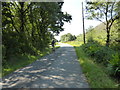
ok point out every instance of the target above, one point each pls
(21, 61)
(95, 73)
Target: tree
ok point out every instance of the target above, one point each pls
(104, 12)
(118, 22)
(116, 33)
(73, 37)
(79, 38)
(27, 26)
(68, 37)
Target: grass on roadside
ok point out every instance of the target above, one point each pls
(21, 61)
(74, 43)
(95, 73)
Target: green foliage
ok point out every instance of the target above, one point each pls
(104, 12)
(96, 74)
(19, 61)
(108, 32)
(104, 55)
(115, 64)
(99, 34)
(116, 60)
(16, 62)
(68, 37)
(75, 43)
(91, 48)
(79, 37)
(3, 54)
(27, 26)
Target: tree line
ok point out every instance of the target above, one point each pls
(28, 27)
(67, 37)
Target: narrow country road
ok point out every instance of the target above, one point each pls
(60, 69)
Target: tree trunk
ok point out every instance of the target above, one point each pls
(108, 38)
(107, 27)
(22, 16)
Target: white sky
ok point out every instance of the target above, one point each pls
(74, 8)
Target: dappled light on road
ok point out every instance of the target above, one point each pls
(60, 69)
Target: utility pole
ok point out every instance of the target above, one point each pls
(83, 23)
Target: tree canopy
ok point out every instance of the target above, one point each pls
(67, 37)
(28, 26)
(104, 12)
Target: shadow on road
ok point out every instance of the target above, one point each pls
(57, 70)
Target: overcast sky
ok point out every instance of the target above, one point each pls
(74, 8)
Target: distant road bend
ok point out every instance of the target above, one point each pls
(60, 69)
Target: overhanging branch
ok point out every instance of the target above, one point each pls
(100, 20)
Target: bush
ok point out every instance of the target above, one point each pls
(104, 55)
(115, 64)
(67, 37)
(91, 47)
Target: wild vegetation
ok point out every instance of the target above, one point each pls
(102, 47)
(106, 12)
(96, 74)
(106, 58)
(67, 37)
(28, 28)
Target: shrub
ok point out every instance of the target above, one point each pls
(115, 64)
(91, 47)
(103, 55)
(67, 37)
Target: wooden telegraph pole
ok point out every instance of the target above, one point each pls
(83, 23)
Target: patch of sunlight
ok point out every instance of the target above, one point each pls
(63, 54)
(45, 59)
(76, 45)
(36, 71)
(58, 77)
(41, 54)
(7, 69)
(0, 85)
(33, 57)
(26, 68)
(81, 61)
(38, 51)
